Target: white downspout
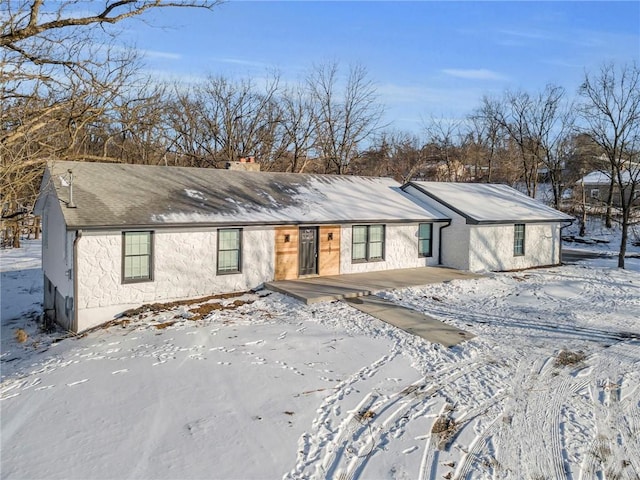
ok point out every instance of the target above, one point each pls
(74, 323)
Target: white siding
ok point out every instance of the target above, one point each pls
(492, 247)
(57, 251)
(400, 250)
(455, 237)
(184, 266)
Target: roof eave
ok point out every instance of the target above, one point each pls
(519, 220)
(192, 225)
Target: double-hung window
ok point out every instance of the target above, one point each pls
(425, 239)
(367, 243)
(518, 240)
(229, 250)
(137, 256)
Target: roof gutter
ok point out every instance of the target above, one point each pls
(74, 323)
(154, 226)
(440, 241)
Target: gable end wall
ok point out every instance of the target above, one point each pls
(57, 263)
(455, 237)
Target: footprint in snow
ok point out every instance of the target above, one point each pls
(584, 372)
(78, 382)
(224, 363)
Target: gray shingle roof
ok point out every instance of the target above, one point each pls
(123, 195)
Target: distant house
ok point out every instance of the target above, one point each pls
(493, 227)
(597, 185)
(116, 236)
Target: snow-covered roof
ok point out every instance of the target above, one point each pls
(482, 203)
(602, 178)
(123, 195)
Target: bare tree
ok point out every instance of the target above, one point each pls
(611, 110)
(345, 118)
(555, 140)
(443, 136)
(394, 154)
(535, 123)
(298, 117)
(59, 78)
(42, 19)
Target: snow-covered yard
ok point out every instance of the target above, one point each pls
(271, 388)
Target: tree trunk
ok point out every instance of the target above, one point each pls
(608, 221)
(583, 222)
(16, 235)
(623, 240)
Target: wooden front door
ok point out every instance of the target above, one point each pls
(308, 251)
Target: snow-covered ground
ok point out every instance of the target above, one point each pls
(271, 388)
(603, 240)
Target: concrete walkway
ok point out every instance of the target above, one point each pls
(410, 321)
(337, 287)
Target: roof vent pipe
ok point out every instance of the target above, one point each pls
(71, 203)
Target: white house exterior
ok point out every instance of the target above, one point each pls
(117, 236)
(493, 227)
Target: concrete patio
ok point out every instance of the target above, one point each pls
(358, 290)
(338, 287)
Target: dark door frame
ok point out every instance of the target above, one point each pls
(308, 260)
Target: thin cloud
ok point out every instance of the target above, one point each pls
(162, 55)
(240, 61)
(434, 99)
(529, 34)
(474, 74)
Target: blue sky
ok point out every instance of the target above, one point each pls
(425, 58)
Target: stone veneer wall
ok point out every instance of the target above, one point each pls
(401, 249)
(184, 267)
(492, 247)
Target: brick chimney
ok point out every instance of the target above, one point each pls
(247, 164)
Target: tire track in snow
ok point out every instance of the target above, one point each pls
(380, 428)
(323, 437)
(353, 441)
(429, 462)
(477, 446)
(613, 450)
(538, 400)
